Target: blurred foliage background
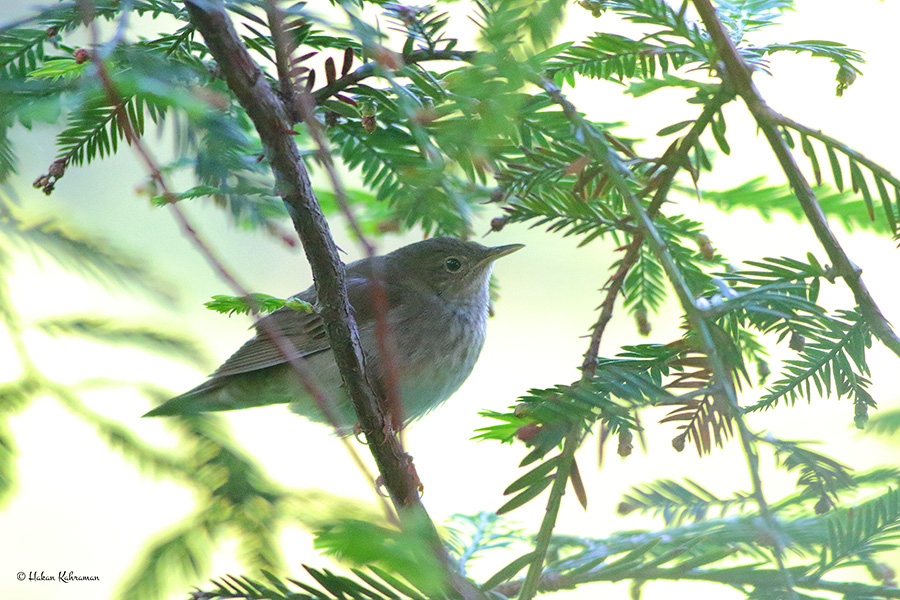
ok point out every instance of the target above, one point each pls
(102, 296)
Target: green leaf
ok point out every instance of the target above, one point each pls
(835, 168)
(255, 303)
(886, 203)
(669, 129)
(404, 552)
(788, 137)
(59, 68)
(847, 208)
(718, 131)
(532, 477)
(859, 184)
(862, 531)
(811, 153)
(508, 572)
(886, 423)
(529, 494)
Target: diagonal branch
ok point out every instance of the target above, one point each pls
(670, 162)
(662, 182)
(273, 125)
(304, 106)
(271, 121)
(697, 316)
(278, 338)
(739, 75)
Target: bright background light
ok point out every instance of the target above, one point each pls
(82, 508)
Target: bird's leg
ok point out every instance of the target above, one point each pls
(379, 487)
(358, 434)
(413, 475)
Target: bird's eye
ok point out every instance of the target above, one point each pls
(452, 264)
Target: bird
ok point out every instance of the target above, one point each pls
(438, 301)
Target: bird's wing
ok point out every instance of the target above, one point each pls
(304, 332)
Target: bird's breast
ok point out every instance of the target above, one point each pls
(436, 350)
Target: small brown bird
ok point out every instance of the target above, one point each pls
(438, 299)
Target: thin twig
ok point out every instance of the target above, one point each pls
(760, 579)
(572, 441)
(738, 74)
(371, 68)
(548, 522)
(272, 123)
(616, 172)
(284, 345)
(671, 163)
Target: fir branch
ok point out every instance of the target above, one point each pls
(545, 532)
(255, 302)
(91, 258)
(886, 423)
(836, 52)
(610, 56)
(768, 200)
(741, 577)
(678, 501)
(696, 315)
(470, 535)
(738, 75)
(659, 13)
(372, 583)
(107, 331)
(617, 174)
(819, 476)
(666, 170)
(832, 359)
(860, 532)
(272, 123)
(21, 50)
(178, 556)
(117, 436)
(879, 173)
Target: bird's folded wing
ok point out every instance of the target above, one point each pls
(301, 333)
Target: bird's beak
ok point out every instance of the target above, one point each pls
(500, 251)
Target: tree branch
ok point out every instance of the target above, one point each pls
(278, 338)
(273, 124)
(304, 107)
(371, 68)
(696, 316)
(271, 121)
(671, 162)
(763, 579)
(739, 75)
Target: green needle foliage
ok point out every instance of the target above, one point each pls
(437, 133)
